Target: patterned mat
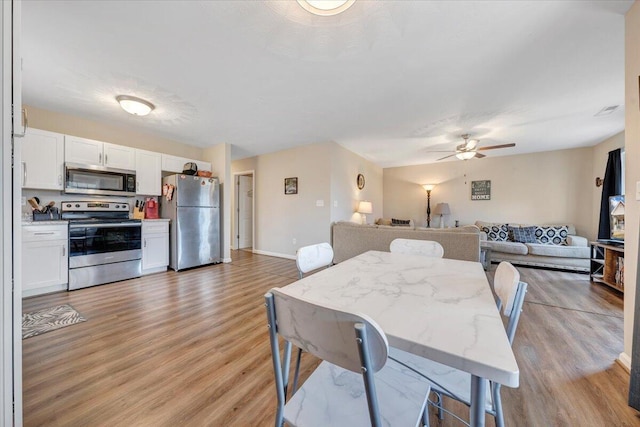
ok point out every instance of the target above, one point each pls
(49, 319)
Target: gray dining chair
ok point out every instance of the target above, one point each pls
(312, 257)
(353, 385)
(456, 384)
(417, 247)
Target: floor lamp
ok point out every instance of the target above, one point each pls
(428, 188)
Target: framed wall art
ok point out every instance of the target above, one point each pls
(481, 190)
(291, 185)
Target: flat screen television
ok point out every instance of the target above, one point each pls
(616, 212)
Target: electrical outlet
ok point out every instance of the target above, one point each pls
(294, 241)
(638, 190)
(320, 203)
(335, 203)
(23, 201)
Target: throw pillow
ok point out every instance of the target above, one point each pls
(497, 232)
(383, 221)
(522, 234)
(552, 235)
(400, 222)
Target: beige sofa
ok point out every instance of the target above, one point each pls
(573, 253)
(349, 239)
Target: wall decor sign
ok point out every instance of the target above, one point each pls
(291, 185)
(481, 190)
(360, 181)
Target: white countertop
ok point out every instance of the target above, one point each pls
(56, 222)
(156, 219)
(441, 309)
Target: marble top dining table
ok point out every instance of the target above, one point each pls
(441, 309)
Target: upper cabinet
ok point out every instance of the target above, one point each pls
(148, 173)
(42, 160)
(91, 152)
(176, 164)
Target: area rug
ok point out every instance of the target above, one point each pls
(49, 319)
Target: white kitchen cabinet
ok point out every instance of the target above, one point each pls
(155, 246)
(176, 164)
(42, 160)
(91, 152)
(148, 173)
(45, 266)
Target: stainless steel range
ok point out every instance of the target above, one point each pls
(104, 244)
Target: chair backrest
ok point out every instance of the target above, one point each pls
(326, 332)
(417, 247)
(511, 292)
(311, 257)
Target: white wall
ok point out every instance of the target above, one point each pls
(326, 173)
(530, 188)
(632, 148)
(345, 167)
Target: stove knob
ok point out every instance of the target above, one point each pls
(77, 205)
(117, 206)
(68, 205)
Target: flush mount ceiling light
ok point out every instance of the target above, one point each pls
(326, 7)
(135, 106)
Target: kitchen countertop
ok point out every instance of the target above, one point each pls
(157, 219)
(52, 222)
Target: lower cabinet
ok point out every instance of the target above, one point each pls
(155, 246)
(45, 265)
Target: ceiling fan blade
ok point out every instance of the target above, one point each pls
(493, 147)
(446, 157)
(440, 151)
(480, 155)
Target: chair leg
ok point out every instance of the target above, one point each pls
(297, 371)
(439, 405)
(497, 406)
(425, 415)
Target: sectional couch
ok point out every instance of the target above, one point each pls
(544, 245)
(349, 239)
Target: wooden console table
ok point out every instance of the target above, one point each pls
(607, 264)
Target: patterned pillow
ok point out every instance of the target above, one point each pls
(497, 232)
(552, 235)
(522, 234)
(400, 222)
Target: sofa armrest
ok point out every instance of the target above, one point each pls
(577, 241)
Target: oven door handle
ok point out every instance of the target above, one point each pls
(106, 225)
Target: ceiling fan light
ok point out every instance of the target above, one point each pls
(326, 7)
(466, 155)
(135, 106)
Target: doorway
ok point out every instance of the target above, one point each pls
(244, 211)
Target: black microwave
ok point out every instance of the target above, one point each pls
(98, 180)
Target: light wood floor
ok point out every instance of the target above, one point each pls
(191, 349)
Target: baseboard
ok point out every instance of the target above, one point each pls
(275, 254)
(44, 290)
(625, 361)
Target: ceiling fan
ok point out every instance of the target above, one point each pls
(469, 149)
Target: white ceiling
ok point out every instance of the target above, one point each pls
(389, 80)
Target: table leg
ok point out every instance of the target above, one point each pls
(478, 399)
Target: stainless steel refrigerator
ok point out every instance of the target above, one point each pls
(194, 211)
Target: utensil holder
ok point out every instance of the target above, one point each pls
(138, 215)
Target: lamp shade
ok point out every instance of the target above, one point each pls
(442, 209)
(365, 207)
(428, 187)
(466, 155)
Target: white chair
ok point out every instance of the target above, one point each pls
(353, 385)
(456, 384)
(417, 247)
(309, 258)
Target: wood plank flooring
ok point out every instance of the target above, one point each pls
(191, 349)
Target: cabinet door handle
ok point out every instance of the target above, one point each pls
(106, 159)
(59, 179)
(145, 243)
(64, 252)
(137, 185)
(99, 157)
(25, 122)
(24, 173)
(42, 233)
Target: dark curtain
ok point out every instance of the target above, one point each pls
(612, 186)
